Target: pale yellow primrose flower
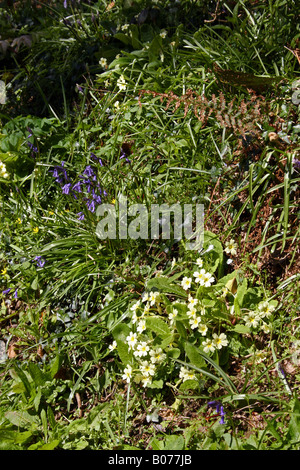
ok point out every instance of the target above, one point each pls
(147, 368)
(198, 275)
(157, 355)
(121, 83)
(220, 340)
(131, 340)
(141, 349)
(141, 326)
(194, 322)
(202, 329)
(127, 373)
(208, 346)
(265, 309)
(186, 283)
(252, 320)
(112, 346)
(103, 62)
(231, 247)
(186, 374)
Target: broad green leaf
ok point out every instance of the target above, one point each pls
(194, 356)
(163, 284)
(21, 419)
(157, 325)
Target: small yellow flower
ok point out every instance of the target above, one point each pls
(113, 201)
(35, 229)
(19, 221)
(4, 271)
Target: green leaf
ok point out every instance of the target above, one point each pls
(56, 365)
(163, 284)
(242, 329)
(194, 356)
(21, 419)
(157, 325)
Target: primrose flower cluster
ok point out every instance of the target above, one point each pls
(257, 318)
(3, 171)
(149, 354)
(86, 186)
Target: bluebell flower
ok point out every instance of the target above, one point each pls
(40, 261)
(6, 291)
(91, 205)
(80, 215)
(89, 171)
(95, 158)
(66, 188)
(16, 294)
(219, 409)
(77, 187)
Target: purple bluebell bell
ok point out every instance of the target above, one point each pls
(6, 291)
(40, 261)
(219, 409)
(88, 171)
(91, 205)
(16, 294)
(66, 188)
(77, 187)
(80, 215)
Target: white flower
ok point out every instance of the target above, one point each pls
(194, 322)
(220, 340)
(199, 262)
(117, 105)
(134, 318)
(186, 283)
(199, 276)
(146, 309)
(186, 374)
(146, 380)
(147, 368)
(252, 320)
(173, 263)
(208, 346)
(131, 340)
(163, 33)
(135, 306)
(157, 355)
(202, 329)
(103, 62)
(141, 326)
(265, 327)
(141, 349)
(172, 315)
(259, 356)
(207, 280)
(231, 247)
(127, 373)
(145, 297)
(3, 172)
(121, 83)
(154, 298)
(192, 301)
(265, 309)
(124, 27)
(192, 312)
(112, 346)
